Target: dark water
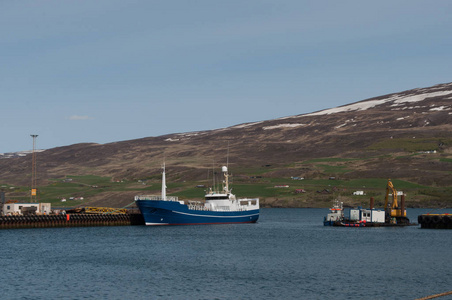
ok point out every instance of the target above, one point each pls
(288, 254)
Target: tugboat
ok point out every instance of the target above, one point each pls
(220, 207)
(336, 214)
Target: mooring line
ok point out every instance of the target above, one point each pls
(436, 296)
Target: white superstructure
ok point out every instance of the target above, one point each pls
(226, 201)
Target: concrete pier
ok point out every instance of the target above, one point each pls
(435, 221)
(70, 220)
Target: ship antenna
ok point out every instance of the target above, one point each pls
(163, 182)
(213, 175)
(227, 170)
(227, 157)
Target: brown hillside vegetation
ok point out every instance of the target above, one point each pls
(383, 137)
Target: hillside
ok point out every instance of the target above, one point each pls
(406, 135)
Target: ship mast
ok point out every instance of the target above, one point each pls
(225, 172)
(163, 183)
(226, 179)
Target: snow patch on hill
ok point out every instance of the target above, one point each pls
(19, 153)
(440, 108)
(397, 99)
(283, 126)
(245, 125)
(347, 122)
(416, 98)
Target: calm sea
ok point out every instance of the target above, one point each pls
(288, 254)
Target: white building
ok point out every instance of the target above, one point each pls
(359, 193)
(399, 193)
(16, 208)
(368, 215)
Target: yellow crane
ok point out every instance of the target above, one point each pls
(393, 210)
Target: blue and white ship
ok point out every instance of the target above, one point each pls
(220, 207)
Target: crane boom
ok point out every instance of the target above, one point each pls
(393, 209)
(390, 187)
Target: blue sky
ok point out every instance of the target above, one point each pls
(105, 71)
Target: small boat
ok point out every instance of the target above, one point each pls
(219, 207)
(336, 214)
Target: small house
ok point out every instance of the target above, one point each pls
(367, 215)
(399, 193)
(358, 193)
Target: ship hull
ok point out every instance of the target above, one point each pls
(158, 212)
(328, 223)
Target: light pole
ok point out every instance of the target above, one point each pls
(33, 170)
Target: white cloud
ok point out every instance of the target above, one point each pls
(79, 118)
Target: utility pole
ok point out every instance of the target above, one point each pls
(33, 197)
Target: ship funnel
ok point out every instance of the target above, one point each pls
(224, 169)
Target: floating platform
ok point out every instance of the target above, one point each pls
(370, 224)
(435, 221)
(70, 220)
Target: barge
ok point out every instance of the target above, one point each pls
(393, 214)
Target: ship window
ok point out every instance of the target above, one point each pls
(217, 198)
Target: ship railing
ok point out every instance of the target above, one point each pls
(196, 205)
(157, 198)
(244, 204)
(236, 208)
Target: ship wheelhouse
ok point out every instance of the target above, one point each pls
(210, 197)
